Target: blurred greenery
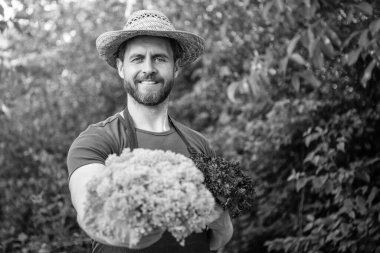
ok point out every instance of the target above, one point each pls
(289, 88)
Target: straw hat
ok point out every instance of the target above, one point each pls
(151, 23)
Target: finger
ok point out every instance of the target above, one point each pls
(154, 233)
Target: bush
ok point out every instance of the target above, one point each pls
(287, 88)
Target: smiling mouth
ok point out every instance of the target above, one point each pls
(148, 82)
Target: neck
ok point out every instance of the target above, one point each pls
(149, 118)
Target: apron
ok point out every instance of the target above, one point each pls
(194, 243)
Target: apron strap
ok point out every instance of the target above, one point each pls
(130, 131)
(191, 150)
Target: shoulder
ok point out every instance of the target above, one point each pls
(105, 129)
(198, 140)
(94, 144)
(104, 133)
(107, 122)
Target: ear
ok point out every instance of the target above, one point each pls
(119, 65)
(176, 69)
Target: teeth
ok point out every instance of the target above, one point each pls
(147, 82)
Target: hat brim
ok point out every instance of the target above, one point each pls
(108, 43)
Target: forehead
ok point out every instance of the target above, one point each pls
(142, 44)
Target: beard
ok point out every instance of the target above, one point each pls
(150, 99)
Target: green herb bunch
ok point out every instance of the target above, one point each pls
(230, 186)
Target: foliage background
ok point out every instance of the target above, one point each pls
(288, 88)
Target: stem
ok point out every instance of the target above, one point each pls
(300, 218)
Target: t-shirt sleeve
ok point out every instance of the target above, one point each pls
(91, 146)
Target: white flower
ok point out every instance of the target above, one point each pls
(145, 189)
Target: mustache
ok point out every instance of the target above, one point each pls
(149, 78)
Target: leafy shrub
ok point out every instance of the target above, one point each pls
(287, 88)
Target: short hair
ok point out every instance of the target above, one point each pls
(176, 48)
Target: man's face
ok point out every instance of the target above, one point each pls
(148, 69)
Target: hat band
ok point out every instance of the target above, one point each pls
(150, 24)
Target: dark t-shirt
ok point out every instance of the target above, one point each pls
(100, 140)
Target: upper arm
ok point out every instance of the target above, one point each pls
(92, 146)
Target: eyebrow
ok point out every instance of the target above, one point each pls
(135, 55)
(143, 55)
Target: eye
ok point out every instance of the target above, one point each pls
(138, 59)
(160, 59)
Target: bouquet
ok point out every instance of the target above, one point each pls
(142, 190)
(230, 186)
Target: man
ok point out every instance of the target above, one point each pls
(147, 54)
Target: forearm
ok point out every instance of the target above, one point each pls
(144, 242)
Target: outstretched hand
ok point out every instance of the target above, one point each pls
(144, 242)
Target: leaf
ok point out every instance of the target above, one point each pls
(333, 236)
(231, 91)
(298, 58)
(327, 48)
(353, 56)
(317, 183)
(374, 27)
(311, 79)
(280, 4)
(363, 175)
(300, 183)
(292, 176)
(5, 109)
(290, 19)
(318, 58)
(311, 137)
(348, 205)
(22, 237)
(312, 42)
(365, 8)
(360, 203)
(363, 39)
(341, 146)
(284, 64)
(308, 227)
(333, 37)
(296, 82)
(372, 196)
(309, 157)
(368, 73)
(348, 40)
(225, 71)
(310, 217)
(293, 44)
(266, 9)
(350, 16)
(372, 161)
(1, 10)
(344, 228)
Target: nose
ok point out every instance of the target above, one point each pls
(148, 67)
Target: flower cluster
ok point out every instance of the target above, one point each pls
(230, 186)
(143, 190)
